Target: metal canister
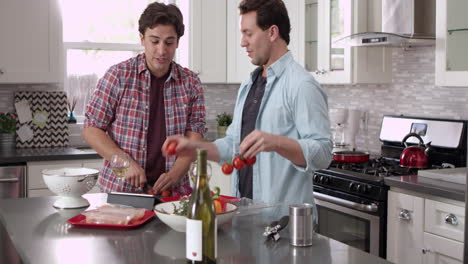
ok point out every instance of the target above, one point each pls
(301, 224)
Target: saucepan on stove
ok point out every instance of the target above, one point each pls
(415, 156)
(350, 156)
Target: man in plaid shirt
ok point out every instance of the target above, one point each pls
(141, 101)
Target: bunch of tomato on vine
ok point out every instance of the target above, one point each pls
(238, 162)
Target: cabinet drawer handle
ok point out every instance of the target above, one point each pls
(451, 219)
(404, 215)
(322, 71)
(426, 250)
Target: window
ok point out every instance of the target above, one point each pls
(99, 34)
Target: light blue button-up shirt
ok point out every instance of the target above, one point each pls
(293, 105)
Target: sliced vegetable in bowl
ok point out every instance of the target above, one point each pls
(165, 212)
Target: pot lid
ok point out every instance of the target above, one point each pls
(70, 172)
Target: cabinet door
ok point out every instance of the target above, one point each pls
(451, 43)
(310, 20)
(208, 40)
(31, 42)
(239, 66)
(329, 20)
(296, 15)
(325, 21)
(438, 250)
(404, 228)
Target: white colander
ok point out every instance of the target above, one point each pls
(70, 184)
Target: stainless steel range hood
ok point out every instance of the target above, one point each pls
(405, 23)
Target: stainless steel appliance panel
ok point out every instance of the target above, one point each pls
(348, 224)
(12, 181)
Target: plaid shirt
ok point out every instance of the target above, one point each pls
(120, 106)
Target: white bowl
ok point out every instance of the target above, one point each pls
(70, 184)
(164, 211)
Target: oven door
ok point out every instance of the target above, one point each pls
(349, 222)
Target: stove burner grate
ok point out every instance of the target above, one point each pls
(379, 167)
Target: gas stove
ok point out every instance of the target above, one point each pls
(349, 193)
(448, 149)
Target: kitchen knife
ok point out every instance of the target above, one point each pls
(137, 200)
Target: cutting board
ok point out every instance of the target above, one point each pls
(55, 132)
(456, 175)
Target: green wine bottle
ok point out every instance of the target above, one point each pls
(201, 235)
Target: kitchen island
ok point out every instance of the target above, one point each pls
(40, 234)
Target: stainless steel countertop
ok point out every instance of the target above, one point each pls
(430, 186)
(41, 235)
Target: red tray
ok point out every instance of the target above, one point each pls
(79, 220)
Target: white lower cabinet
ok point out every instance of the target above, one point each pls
(441, 250)
(423, 229)
(443, 232)
(405, 219)
(36, 186)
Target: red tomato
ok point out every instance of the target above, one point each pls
(227, 168)
(171, 148)
(238, 163)
(251, 161)
(165, 193)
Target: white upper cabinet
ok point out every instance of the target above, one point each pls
(451, 43)
(208, 40)
(215, 40)
(238, 63)
(31, 42)
(327, 20)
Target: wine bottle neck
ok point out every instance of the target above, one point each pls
(201, 163)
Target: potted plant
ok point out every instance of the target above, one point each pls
(7, 129)
(223, 120)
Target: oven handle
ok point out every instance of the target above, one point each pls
(9, 180)
(361, 207)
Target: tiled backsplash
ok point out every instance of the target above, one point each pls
(412, 92)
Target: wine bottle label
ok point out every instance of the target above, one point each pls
(193, 240)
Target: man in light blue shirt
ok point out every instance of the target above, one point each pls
(280, 116)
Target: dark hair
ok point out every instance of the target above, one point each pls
(161, 14)
(269, 12)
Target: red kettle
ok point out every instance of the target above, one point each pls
(415, 156)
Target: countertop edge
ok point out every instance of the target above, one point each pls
(45, 154)
(428, 186)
